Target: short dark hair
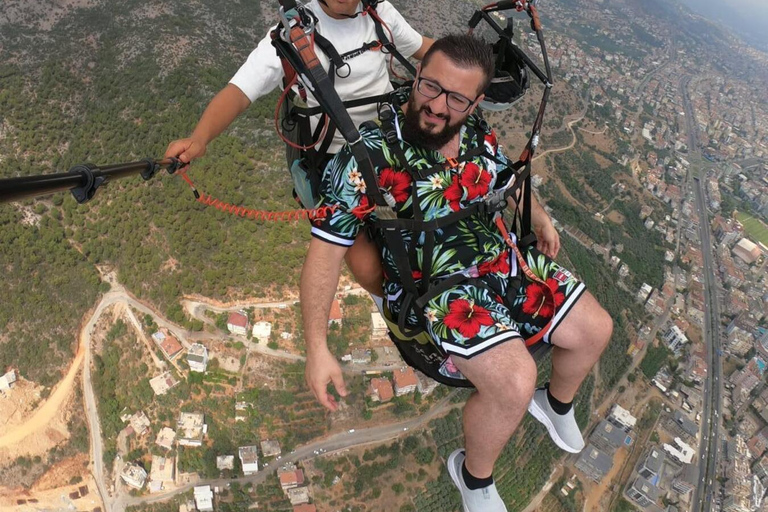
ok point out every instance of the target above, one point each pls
(466, 51)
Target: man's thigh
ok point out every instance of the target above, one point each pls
(472, 324)
(547, 301)
(468, 319)
(585, 320)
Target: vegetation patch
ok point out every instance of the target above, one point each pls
(756, 229)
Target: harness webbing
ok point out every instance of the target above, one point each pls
(314, 145)
(387, 224)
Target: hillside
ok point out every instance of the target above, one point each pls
(103, 82)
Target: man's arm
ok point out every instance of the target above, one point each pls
(258, 75)
(548, 239)
(319, 279)
(426, 42)
(223, 109)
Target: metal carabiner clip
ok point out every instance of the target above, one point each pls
(297, 17)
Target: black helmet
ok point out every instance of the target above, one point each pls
(510, 80)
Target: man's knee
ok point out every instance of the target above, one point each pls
(517, 384)
(505, 374)
(602, 327)
(587, 327)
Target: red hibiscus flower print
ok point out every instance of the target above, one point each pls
(453, 194)
(491, 139)
(465, 317)
(416, 274)
(362, 210)
(541, 300)
(475, 180)
(396, 183)
(500, 265)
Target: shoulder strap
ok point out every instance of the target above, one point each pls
(387, 43)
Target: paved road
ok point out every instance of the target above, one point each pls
(335, 443)
(92, 414)
(709, 444)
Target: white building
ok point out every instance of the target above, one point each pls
(160, 473)
(644, 292)
(162, 383)
(165, 438)
(378, 326)
(134, 476)
(680, 451)
(270, 448)
(675, 338)
(249, 459)
(622, 418)
(237, 323)
(262, 331)
(7, 379)
(204, 498)
(191, 428)
(225, 462)
(197, 357)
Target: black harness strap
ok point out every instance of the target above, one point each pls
(351, 54)
(417, 294)
(359, 102)
(387, 44)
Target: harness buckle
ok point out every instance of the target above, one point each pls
(385, 213)
(451, 162)
(495, 201)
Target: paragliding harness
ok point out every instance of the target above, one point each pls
(307, 149)
(293, 40)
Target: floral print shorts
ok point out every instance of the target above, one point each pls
(470, 318)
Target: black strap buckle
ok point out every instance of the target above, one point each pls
(385, 213)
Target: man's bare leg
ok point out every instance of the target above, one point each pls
(504, 377)
(579, 340)
(364, 261)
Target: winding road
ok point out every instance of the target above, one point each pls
(565, 148)
(118, 295)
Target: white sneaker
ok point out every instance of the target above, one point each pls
(485, 499)
(562, 428)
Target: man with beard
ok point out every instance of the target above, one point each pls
(476, 324)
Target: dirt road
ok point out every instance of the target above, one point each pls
(565, 148)
(45, 413)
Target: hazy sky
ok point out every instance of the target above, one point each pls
(742, 16)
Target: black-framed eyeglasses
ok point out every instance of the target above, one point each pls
(432, 90)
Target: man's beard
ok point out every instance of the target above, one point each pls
(418, 137)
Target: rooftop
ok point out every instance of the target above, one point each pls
(335, 314)
(248, 454)
(197, 349)
(405, 377)
(382, 388)
(238, 319)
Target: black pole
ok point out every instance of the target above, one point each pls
(82, 179)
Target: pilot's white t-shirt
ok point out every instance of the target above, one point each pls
(368, 72)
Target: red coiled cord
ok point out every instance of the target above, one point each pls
(263, 215)
(280, 102)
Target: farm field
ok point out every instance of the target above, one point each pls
(755, 228)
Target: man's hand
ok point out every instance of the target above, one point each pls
(548, 237)
(224, 108)
(186, 150)
(321, 369)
